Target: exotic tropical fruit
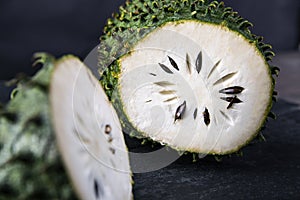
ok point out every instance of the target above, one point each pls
(188, 74)
(66, 99)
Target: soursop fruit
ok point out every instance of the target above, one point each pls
(187, 73)
(60, 124)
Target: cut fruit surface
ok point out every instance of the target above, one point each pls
(88, 133)
(197, 94)
(191, 75)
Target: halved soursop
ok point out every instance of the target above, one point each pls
(31, 165)
(188, 74)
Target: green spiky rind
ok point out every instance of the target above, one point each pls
(30, 164)
(138, 18)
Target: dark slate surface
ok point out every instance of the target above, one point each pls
(268, 170)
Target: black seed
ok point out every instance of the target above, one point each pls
(232, 90)
(206, 117)
(152, 74)
(173, 63)
(195, 113)
(230, 105)
(166, 92)
(199, 62)
(110, 139)
(96, 189)
(171, 99)
(180, 111)
(163, 83)
(107, 129)
(214, 68)
(165, 68)
(113, 151)
(231, 100)
(148, 101)
(188, 63)
(225, 78)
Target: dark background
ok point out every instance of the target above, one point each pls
(74, 26)
(268, 170)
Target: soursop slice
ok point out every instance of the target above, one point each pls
(89, 133)
(31, 165)
(188, 74)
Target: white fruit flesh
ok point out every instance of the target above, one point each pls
(151, 95)
(89, 134)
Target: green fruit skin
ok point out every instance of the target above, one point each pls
(30, 164)
(137, 18)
